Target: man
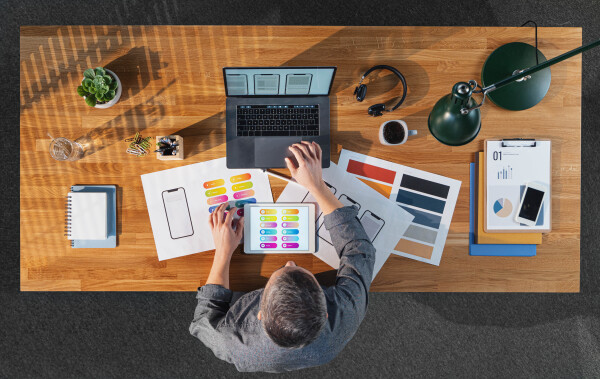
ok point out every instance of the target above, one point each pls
(293, 322)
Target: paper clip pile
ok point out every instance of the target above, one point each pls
(138, 146)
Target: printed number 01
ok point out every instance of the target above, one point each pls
(497, 155)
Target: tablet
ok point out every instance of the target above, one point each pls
(279, 228)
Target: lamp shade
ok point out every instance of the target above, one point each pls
(446, 121)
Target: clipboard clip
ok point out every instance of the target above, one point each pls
(518, 142)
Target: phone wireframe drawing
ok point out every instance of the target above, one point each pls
(372, 224)
(344, 199)
(323, 233)
(178, 213)
(309, 198)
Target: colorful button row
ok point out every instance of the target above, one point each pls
(212, 209)
(289, 211)
(215, 192)
(290, 238)
(290, 218)
(268, 238)
(290, 231)
(290, 224)
(241, 186)
(268, 224)
(268, 211)
(268, 218)
(243, 194)
(240, 203)
(274, 245)
(268, 231)
(217, 200)
(214, 183)
(240, 178)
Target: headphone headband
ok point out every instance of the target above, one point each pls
(398, 74)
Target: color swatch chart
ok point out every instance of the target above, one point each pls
(279, 228)
(241, 192)
(430, 198)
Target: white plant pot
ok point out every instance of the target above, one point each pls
(117, 95)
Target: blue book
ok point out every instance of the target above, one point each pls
(491, 250)
(111, 218)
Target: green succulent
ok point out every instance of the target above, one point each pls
(97, 86)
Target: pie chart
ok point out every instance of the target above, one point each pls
(503, 207)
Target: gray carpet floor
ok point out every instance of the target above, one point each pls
(413, 335)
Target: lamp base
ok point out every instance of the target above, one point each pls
(504, 62)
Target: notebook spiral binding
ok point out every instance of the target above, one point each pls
(68, 220)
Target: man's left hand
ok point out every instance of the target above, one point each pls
(225, 236)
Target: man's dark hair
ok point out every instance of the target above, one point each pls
(293, 309)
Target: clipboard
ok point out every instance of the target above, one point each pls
(509, 164)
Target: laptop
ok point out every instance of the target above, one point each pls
(271, 108)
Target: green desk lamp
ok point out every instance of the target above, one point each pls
(455, 119)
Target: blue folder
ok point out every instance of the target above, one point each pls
(111, 217)
(491, 250)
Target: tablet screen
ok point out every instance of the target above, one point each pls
(279, 228)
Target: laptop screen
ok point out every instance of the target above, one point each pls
(278, 81)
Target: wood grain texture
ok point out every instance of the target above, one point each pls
(172, 84)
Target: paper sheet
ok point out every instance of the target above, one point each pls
(206, 185)
(383, 222)
(508, 170)
(429, 197)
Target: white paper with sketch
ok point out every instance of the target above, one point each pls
(180, 199)
(431, 198)
(383, 222)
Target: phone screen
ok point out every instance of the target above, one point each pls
(178, 213)
(372, 224)
(532, 202)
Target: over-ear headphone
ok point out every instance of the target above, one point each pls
(361, 91)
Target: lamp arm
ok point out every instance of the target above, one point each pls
(526, 72)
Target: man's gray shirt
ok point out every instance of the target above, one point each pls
(235, 335)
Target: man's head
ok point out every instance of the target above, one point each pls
(293, 309)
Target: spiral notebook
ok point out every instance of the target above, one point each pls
(86, 216)
(108, 234)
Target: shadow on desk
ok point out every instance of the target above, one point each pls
(203, 135)
(124, 125)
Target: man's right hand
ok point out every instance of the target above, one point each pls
(308, 173)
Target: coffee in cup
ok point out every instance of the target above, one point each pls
(394, 132)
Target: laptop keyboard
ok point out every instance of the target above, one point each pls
(277, 120)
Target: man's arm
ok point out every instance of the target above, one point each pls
(356, 252)
(214, 297)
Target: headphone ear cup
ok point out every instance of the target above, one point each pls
(376, 110)
(360, 92)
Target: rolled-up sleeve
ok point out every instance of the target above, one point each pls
(357, 256)
(213, 303)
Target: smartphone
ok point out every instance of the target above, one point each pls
(531, 204)
(178, 213)
(348, 201)
(372, 224)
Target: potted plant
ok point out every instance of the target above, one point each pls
(100, 87)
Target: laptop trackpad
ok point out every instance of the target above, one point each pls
(269, 152)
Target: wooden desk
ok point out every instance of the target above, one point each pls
(173, 84)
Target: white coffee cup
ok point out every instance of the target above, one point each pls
(407, 133)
